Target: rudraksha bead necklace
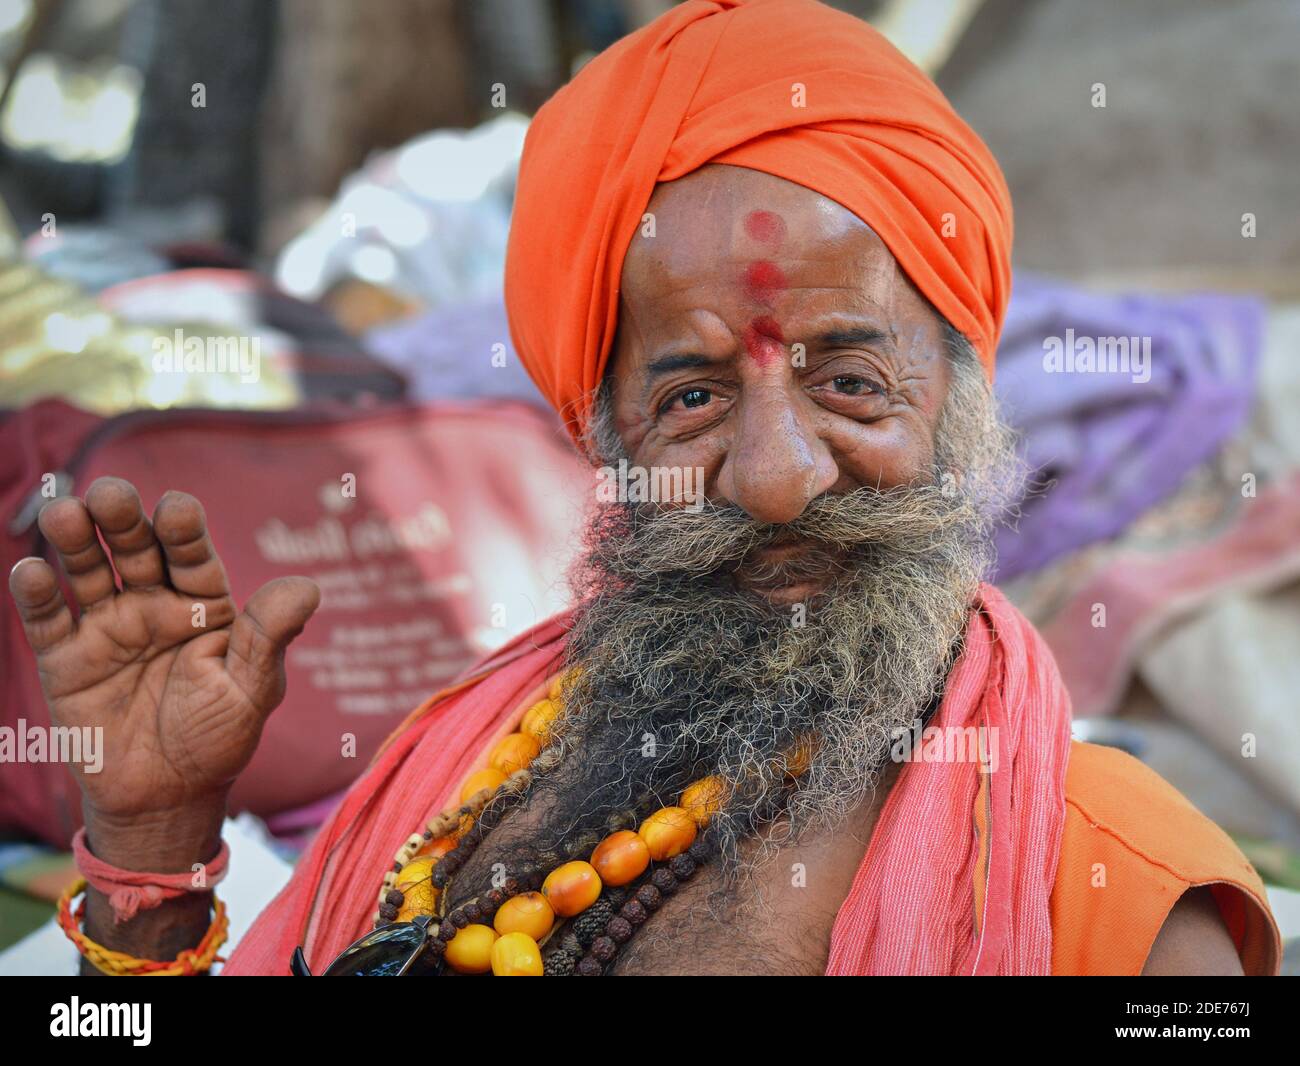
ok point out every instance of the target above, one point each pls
(582, 911)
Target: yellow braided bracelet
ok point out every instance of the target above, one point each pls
(188, 963)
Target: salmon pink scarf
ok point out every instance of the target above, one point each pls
(956, 879)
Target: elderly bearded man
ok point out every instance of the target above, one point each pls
(750, 239)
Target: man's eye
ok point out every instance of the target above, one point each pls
(695, 397)
(850, 386)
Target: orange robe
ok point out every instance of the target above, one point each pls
(1132, 846)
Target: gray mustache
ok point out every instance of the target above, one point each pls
(719, 536)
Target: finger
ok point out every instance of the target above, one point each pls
(115, 506)
(67, 525)
(40, 602)
(193, 566)
(273, 616)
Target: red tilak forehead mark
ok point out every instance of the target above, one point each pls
(764, 340)
(768, 326)
(764, 280)
(765, 226)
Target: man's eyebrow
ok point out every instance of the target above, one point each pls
(854, 337)
(666, 364)
(848, 337)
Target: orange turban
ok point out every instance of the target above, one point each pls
(788, 87)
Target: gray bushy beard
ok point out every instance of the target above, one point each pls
(686, 674)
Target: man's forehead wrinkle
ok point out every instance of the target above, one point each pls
(695, 284)
(853, 309)
(917, 343)
(721, 199)
(883, 278)
(702, 224)
(698, 332)
(629, 325)
(684, 212)
(704, 323)
(834, 266)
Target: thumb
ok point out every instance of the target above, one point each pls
(273, 616)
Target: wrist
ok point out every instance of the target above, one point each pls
(160, 842)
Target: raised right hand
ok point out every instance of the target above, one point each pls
(181, 704)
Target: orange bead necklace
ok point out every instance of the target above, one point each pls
(604, 898)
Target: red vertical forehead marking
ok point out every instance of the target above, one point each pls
(767, 326)
(764, 281)
(765, 226)
(764, 340)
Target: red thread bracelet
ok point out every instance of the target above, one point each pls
(132, 891)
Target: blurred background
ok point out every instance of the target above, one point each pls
(254, 249)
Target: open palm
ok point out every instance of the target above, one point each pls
(180, 681)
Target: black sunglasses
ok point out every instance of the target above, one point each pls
(393, 951)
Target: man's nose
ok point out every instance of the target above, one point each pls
(777, 463)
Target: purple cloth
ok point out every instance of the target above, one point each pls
(1108, 446)
(457, 351)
